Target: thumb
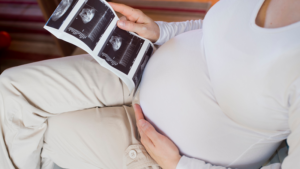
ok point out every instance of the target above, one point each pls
(131, 26)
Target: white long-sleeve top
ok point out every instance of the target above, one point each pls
(228, 93)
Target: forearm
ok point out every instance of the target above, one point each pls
(169, 30)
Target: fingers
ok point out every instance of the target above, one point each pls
(138, 112)
(132, 14)
(144, 126)
(123, 18)
(132, 27)
(149, 131)
(146, 141)
(136, 21)
(144, 138)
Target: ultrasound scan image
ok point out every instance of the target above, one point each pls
(87, 14)
(116, 42)
(90, 23)
(61, 12)
(139, 72)
(121, 49)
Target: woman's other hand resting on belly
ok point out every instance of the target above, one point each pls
(160, 148)
(136, 21)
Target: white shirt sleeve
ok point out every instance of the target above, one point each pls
(170, 30)
(191, 163)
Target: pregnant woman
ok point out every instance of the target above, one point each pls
(222, 94)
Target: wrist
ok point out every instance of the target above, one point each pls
(161, 34)
(156, 32)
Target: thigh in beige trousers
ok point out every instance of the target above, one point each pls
(69, 111)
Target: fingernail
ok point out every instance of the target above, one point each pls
(143, 123)
(121, 23)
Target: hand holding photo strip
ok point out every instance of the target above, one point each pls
(92, 25)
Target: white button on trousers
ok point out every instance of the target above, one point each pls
(132, 154)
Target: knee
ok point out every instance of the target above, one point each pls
(12, 79)
(9, 75)
(5, 76)
(24, 74)
(11, 72)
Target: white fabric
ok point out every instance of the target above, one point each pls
(30, 94)
(273, 166)
(192, 163)
(229, 97)
(70, 108)
(169, 30)
(4, 156)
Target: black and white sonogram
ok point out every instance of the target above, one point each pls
(91, 21)
(121, 49)
(139, 71)
(61, 13)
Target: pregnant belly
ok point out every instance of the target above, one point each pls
(177, 98)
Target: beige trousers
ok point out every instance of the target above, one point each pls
(72, 112)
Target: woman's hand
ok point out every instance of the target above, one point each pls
(136, 21)
(160, 148)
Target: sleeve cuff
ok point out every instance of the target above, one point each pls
(273, 166)
(182, 164)
(189, 163)
(161, 40)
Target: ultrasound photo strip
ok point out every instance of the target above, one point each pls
(61, 13)
(139, 71)
(103, 55)
(120, 49)
(102, 24)
(90, 22)
(128, 53)
(63, 6)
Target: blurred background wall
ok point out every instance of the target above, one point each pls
(23, 20)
